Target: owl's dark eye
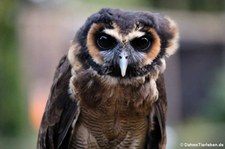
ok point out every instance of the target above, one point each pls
(105, 42)
(142, 44)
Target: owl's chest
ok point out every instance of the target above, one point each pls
(111, 116)
(95, 130)
(109, 128)
(100, 95)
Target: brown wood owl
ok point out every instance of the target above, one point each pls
(109, 91)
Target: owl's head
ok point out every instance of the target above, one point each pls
(124, 44)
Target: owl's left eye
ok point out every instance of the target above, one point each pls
(105, 42)
(142, 43)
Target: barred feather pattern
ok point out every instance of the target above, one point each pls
(96, 132)
(115, 116)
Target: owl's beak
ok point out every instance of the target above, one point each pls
(123, 62)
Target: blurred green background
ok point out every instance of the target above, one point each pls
(34, 34)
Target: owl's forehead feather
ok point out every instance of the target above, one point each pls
(125, 20)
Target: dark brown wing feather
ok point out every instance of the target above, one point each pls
(59, 111)
(157, 136)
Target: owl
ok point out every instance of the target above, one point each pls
(108, 91)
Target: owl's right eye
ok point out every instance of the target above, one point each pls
(105, 42)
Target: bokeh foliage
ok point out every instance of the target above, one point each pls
(215, 108)
(192, 5)
(12, 107)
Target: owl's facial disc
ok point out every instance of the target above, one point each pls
(120, 54)
(124, 53)
(109, 35)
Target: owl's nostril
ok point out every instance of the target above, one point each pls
(126, 57)
(123, 55)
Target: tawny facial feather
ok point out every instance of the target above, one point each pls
(155, 48)
(173, 43)
(163, 65)
(72, 56)
(93, 51)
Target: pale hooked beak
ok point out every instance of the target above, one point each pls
(123, 62)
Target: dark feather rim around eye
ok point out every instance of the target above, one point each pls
(142, 43)
(105, 41)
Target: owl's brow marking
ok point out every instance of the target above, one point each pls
(114, 33)
(135, 34)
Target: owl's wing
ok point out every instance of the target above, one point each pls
(157, 136)
(59, 112)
